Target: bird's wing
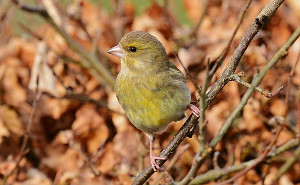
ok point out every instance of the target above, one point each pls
(176, 73)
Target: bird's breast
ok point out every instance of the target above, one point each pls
(152, 102)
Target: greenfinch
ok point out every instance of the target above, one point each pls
(150, 88)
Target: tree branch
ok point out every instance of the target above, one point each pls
(259, 159)
(255, 82)
(260, 20)
(263, 17)
(218, 173)
(96, 68)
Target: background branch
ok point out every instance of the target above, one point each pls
(218, 173)
(263, 17)
(96, 68)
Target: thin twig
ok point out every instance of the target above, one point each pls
(24, 150)
(86, 99)
(216, 174)
(199, 22)
(288, 164)
(218, 62)
(258, 161)
(255, 82)
(96, 68)
(77, 146)
(31, 32)
(31, 9)
(76, 17)
(120, 4)
(202, 100)
(257, 79)
(292, 160)
(237, 79)
(261, 19)
(168, 151)
(53, 12)
(95, 49)
(69, 93)
(291, 75)
(215, 160)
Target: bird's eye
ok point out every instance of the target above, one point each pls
(132, 49)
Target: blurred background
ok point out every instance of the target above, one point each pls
(60, 122)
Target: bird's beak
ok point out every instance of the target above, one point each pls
(117, 51)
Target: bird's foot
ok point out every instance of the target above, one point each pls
(194, 110)
(154, 164)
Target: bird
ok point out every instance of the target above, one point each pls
(150, 88)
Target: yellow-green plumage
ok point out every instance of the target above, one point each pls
(152, 101)
(151, 90)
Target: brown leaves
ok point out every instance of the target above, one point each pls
(75, 141)
(15, 93)
(90, 125)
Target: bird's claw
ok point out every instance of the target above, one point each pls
(154, 164)
(194, 110)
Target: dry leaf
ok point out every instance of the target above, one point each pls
(109, 161)
(11, 120)
(55, 107)
(41, 71)
(14, 94)
(91, 126)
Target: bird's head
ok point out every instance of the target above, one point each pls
(140, 51)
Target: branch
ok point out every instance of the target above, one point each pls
(218, 173)
(257, 79)
(24, 150)
(177, 157)
(258, 160)
(82, 98)
(218, 61)
(255, 82)
(237, 79)
(209, 74)
(288, 164)
(263, 17)
(168, 151)
(194, 30)
(292, 160)
(291, 75)
(96, 68)
(77, 146)
(260, 20)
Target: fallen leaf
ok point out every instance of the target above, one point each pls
(14, 93)
(11, 121)
(42, 72)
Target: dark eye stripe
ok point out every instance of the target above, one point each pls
(132, 49)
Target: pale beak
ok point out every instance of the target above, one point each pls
(117, 51)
